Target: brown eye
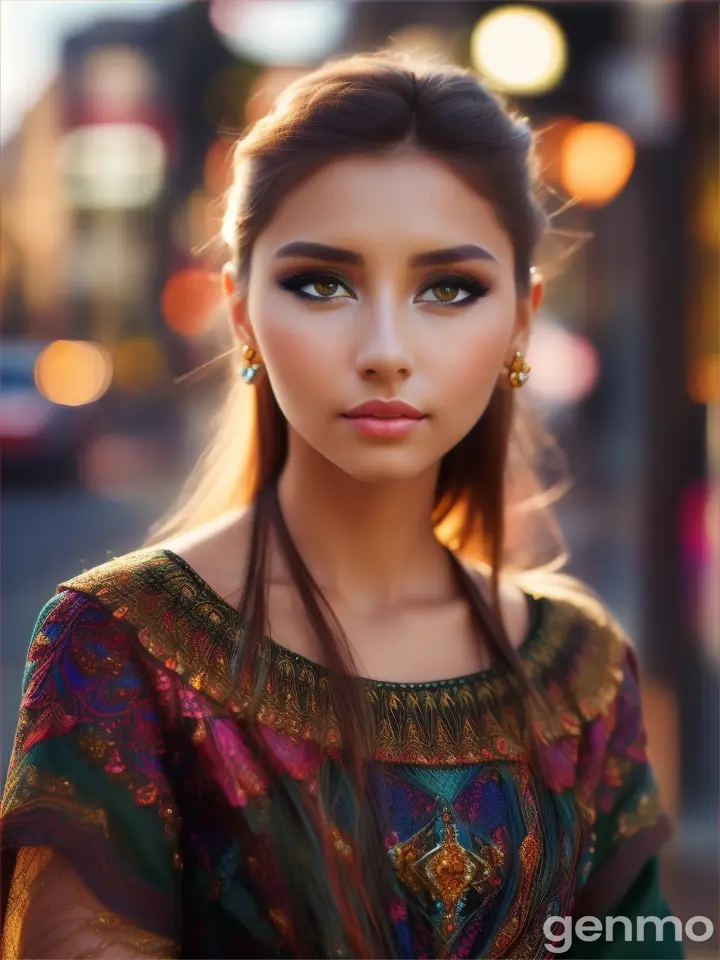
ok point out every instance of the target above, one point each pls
(452, 291)
(314, 285)
(445, 294)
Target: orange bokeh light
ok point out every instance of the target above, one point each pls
(704, 379)
(189, 300)
(596, 160)
(73, 372)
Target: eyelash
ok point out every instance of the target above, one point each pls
(470, 285)
(475, 288)
(294, 283)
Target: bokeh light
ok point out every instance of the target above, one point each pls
(73, 372)
(565, 365)
(596, 160)
(117, 79)
(281, 32)
(189, 300)
(112, 165)
(519, 49)
(704, 379)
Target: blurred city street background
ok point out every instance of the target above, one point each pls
(116, 124)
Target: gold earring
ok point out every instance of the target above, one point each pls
(250, 369)
(518, 371)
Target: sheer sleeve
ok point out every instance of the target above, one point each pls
(90, 828)
(51, 915)
(630, 829)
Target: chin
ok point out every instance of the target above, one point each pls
(376, 466)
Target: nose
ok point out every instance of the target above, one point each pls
(384, 353)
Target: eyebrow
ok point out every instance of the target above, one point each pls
(321, 251)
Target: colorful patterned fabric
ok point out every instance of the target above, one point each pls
(132, 764)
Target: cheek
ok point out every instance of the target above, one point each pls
(298, 355)
(471, 364)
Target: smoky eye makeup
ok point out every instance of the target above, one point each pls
(445, 288)
(318, 277)
(320, 284)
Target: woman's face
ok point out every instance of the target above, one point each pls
(382, 279)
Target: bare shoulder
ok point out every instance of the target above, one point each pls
(515, 611)
(514, 607)
(218, 551)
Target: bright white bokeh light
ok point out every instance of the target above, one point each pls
(281, 32)
(112, 165)
(519, 49)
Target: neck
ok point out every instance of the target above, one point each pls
(370, 542)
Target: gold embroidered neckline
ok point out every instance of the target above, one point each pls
(574, 652)
(278, 652)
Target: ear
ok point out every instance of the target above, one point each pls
(526, 308)
(236, 296)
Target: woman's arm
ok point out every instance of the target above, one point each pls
(629, 831)
(51, 915)
(89, 821)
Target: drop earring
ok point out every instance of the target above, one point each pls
(249, 371)
(518, 371)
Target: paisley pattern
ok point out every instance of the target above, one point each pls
(133, 763)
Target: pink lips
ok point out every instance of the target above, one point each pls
(384, 418)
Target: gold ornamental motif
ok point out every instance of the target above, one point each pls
(436, 863)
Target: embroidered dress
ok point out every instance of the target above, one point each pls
(134, 812)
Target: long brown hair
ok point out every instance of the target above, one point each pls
(372, 104)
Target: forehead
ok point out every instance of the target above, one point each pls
(387, 204)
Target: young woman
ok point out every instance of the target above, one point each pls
(325, 711)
